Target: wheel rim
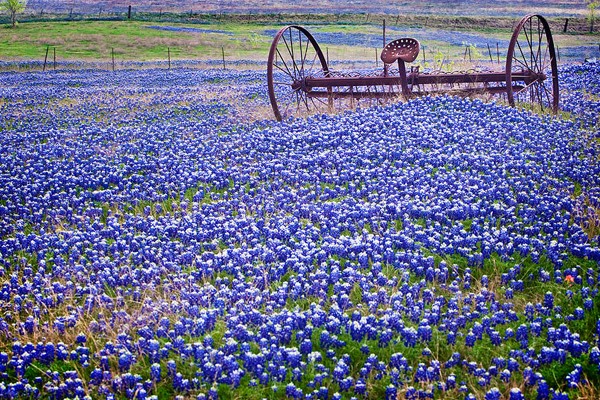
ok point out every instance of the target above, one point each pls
(531, 51)
(294, 55)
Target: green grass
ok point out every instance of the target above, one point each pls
(95, 40)
(481, 353)
(131, 40)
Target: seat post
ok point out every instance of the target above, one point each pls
(403, 79)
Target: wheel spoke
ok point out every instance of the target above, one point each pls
(524, 64)
(524, 58)
(539, 48)
(305, 53)
(548, 94)
(540, 98)
(530, 42)
(546, 58)
(304, 99)
(288, 98)
(527, 87)
(293, 54)
(290, 49)
(287, 70)
(312, 64)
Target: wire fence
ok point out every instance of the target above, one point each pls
(492, 57)
(433, 57)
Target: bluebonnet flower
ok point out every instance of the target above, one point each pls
(549, 300)
(493, 394)
(470, 339)
(155, 372)
(233, 223)
(515, 394)
(557, 395)
(391, 392)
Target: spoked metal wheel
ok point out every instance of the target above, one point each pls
(295, 55)
(531, 70)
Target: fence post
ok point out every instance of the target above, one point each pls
(566, 25)
(490, 51)
(129, 12)
(112, 52)
(223, 53)
(169, 55)
(498, 52)
(54, 50)
(46, 58)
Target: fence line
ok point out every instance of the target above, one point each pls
(436, 57)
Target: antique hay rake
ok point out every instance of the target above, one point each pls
(300, 81)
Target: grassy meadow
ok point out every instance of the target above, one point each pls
(239, 37)
(162, 236)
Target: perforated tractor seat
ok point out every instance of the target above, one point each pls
(405, 49)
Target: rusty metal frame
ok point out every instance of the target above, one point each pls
(529, 76)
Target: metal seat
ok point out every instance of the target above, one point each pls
(405, 49)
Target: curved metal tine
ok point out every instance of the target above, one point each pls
(317, 99)
(320, 105)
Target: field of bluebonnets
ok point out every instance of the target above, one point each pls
(158, 239)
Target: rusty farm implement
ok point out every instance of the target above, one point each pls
(300, 81)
